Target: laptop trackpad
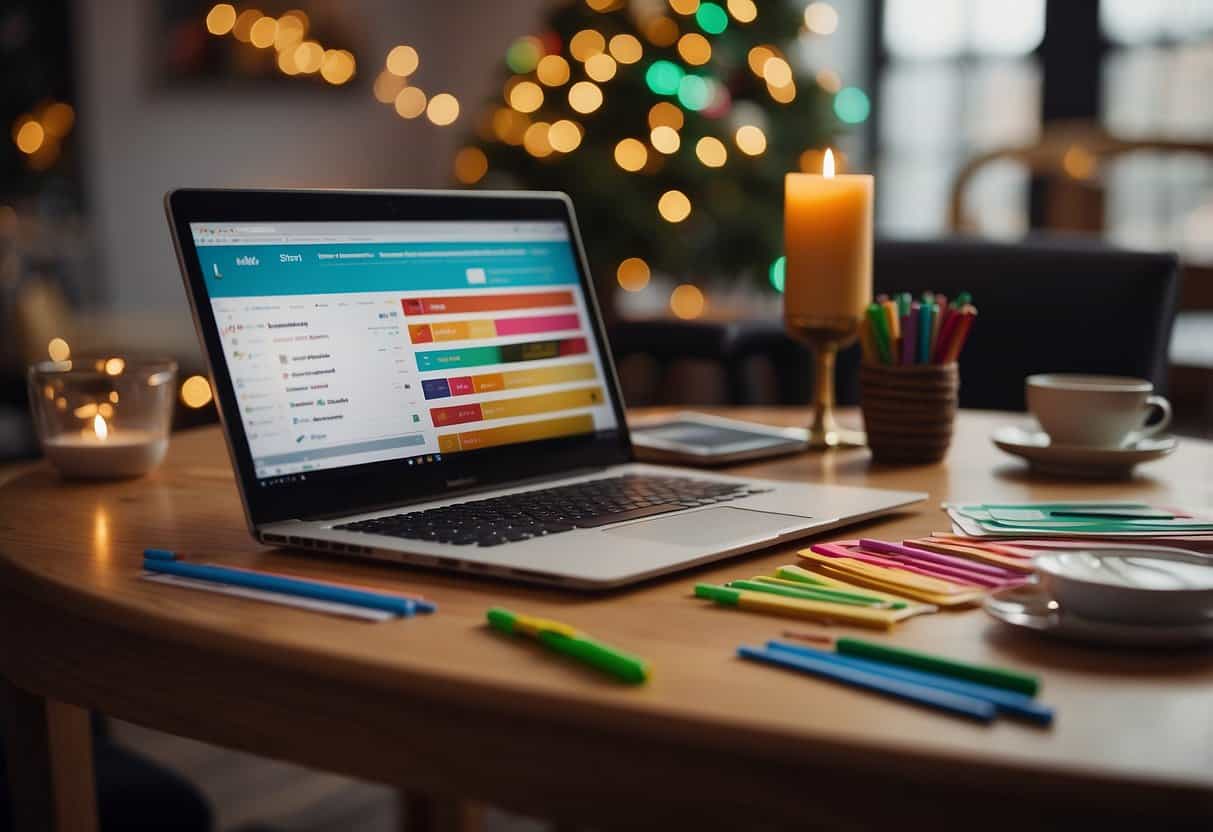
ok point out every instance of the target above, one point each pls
(710, 527)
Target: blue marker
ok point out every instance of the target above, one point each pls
(954, 703)
(287, 586)
(1007, 702)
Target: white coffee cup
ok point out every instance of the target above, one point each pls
(1095, 411)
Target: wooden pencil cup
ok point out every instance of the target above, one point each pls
(908, 410)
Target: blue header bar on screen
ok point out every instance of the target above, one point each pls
(287, 269)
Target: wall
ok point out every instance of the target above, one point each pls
(141, 139)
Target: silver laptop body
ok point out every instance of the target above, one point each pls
(380, 354)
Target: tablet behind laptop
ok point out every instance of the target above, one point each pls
(424, 377)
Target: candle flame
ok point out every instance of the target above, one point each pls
(100, 427)
(827, 166)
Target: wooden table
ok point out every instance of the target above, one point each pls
(440, 705)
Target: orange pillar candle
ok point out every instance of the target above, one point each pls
(828, 242)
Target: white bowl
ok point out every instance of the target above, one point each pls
(1132, 584)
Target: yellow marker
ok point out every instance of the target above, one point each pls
(874, 617)
(901, 583)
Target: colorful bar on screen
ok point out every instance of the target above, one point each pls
(484, 303)
(510, 434)
(441, 388)
(465, 330)
(501, 354)
(520, 406)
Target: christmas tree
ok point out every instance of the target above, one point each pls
(671, 125)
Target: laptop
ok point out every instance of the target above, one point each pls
(423, 377)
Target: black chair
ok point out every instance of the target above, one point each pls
(1045, 305)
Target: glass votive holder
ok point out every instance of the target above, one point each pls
(103, 418)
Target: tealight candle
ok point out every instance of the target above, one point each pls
(101, 453)
(105, 418)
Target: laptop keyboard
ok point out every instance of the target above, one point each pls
(582, 505)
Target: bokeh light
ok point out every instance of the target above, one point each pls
(660, 30)
(510, 125)
(687, 301)
(821, 18)
(743, 11)
(387, 86)
(403, 60)
(711, 18)
(665, 139)
(829, 80)
(626, 48)
(242, 28)
(751, 140)
(694, 49)
(585, 97)
(564, 136)
(309, 55)
(263, 32)
(196, 392)
(663, 77)
(783, 95)
(411, 102)
(777, 72)
(851, 105)
(470, 165)
(665, 113)
(526, 97)
(443, 109)
(711, 152)
(758, 57)
(57, 119)
(29, 136)
(686, 7)
(674, 206)
(1078, 162)
(58, 350)
(600, 67)
(552, 70)
(221, 18)
(694, 92)
(586, 44)
(633, 274)
(114, 366)
(536, 142)
(631, 155)
(778, 273)
(338, 66)
(523, 54)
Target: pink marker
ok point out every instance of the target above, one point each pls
(834, 551)
(935, 557)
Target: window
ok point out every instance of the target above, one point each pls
(958, 78)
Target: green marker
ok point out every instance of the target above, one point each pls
(563, 639)
(833, 596)
(994, 676)
(880, 332)
(961, 299)
(796, 573)
(856, 593)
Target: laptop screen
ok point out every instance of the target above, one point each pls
(358, 342)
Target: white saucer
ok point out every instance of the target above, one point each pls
(1029, 607)
(1042, 455)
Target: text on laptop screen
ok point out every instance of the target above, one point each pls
(350, 343)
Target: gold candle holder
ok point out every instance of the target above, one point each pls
(824, 336)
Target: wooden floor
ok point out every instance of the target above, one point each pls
(253, 793)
